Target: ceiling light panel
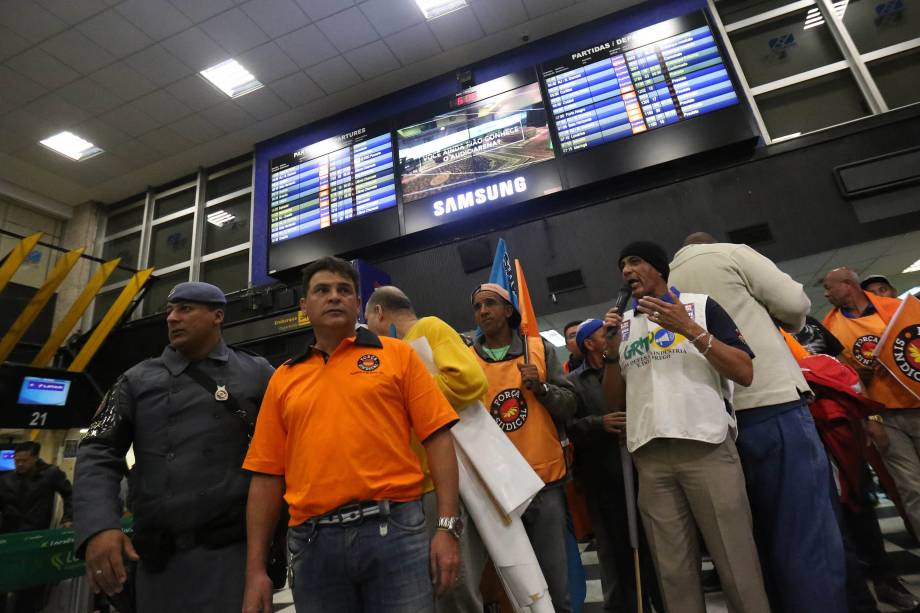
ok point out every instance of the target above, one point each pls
(219, 218)
(231, 78)
(72, 146)
(915, 267)
(432, 9)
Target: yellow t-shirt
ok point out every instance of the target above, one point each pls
(460, 378)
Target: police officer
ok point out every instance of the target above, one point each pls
(189, 415)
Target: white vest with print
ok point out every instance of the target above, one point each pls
(671, 389)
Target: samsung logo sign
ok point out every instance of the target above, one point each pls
(481, 195)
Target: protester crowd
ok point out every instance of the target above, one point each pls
(708, 414)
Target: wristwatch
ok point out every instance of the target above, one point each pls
(611, 360)
(542, 390)
(452, 525)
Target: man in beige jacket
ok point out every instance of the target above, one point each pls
(785, 467)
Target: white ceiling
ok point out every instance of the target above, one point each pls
(123, 74)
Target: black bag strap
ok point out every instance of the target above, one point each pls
(231, 403)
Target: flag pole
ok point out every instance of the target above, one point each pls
(630, 492)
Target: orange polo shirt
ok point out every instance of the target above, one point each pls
(338, 427)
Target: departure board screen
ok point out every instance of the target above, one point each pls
(638, 82)
(330, 182)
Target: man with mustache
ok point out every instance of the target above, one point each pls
(188, 414)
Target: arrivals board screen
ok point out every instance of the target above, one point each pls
(635, 83)
(330, 182)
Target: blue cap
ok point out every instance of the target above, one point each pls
(586, 329)
(197, 291)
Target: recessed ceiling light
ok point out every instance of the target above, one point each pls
(219, 218)
(432, 9)
(814, 18)
(231, 78)
(912, 268)
(553, 337)
(71, 145)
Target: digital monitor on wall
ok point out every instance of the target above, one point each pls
(639, 87)
(44, 391)
(332, 196)
(7, 459)
(486, 147)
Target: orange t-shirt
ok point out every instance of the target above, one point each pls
(859, 336)
(338, 427)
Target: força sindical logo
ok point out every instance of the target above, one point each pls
(863, 348)
(509, 409)
(906, 351)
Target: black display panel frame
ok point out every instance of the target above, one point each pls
(82, 399)
(663, 144)
(341, 237)
(482, 196)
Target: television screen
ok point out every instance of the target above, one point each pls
(46, 392)
(7, 461)
(490, 136)
(635, 83)
(330, 182)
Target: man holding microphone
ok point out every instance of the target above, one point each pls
(670, 365)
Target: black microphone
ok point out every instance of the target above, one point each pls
(620, 303)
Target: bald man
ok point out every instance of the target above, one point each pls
(786, 472)
(858, 320)
(389, 312)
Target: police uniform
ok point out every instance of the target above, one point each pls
(187, 488)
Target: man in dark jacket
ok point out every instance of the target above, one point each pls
(27, 493)
(27, 503)
(596, 430)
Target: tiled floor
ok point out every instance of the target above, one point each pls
(905, 556)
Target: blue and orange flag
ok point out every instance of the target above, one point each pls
(502, 272)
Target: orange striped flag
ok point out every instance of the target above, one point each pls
(899, 348)
(525, 306)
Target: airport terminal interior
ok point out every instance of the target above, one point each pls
(145, 143)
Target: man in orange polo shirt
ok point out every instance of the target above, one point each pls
(332, 438)
(858, 320)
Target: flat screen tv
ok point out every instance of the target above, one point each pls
(483, 148)
(43, 391)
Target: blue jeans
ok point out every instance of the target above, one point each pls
(795, 527)
(379, 565)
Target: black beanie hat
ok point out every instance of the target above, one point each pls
(650, 252)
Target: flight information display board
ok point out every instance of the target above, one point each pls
(635, 83)
(330, 182)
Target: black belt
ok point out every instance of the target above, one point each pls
(354, 512)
